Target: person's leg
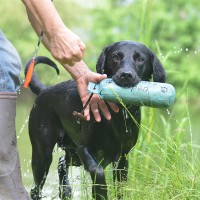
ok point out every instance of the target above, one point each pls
(10, 66)
(11, 186)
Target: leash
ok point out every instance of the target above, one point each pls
(32, 64)
(80, 115)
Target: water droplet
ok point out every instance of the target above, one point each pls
(168, 112)
(186, 49)
(195, 52)
(23, 126)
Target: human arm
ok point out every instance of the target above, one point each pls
(67, 48)
(64, 45)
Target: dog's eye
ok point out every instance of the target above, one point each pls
(117, 57)
(139, 59)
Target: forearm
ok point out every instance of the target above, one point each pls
(64, 45)
(43, 21)
(78, 70)
(38, 29)
(43, 16)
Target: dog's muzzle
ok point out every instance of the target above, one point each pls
(126, 79)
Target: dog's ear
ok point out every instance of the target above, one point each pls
(159, 74)
(100, 66)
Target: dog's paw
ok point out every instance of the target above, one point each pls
(36, 194)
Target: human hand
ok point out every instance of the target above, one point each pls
(96, 104)
(65, 46)
(82, 75)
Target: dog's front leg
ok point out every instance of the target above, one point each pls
(120, 173)
(99, 189)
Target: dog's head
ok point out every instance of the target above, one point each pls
(130, 62)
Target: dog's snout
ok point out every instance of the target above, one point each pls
(126, 78)
(126, 75)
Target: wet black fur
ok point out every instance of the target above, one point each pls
(92, 144)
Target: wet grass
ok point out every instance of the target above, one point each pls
(164, 164)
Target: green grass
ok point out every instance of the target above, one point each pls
(164, 164)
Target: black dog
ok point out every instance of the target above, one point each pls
(92, 144)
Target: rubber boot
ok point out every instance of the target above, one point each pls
(11, 186)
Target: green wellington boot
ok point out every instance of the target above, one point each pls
(11, 186)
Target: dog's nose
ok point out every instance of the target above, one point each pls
(126, 78)
(126, 75)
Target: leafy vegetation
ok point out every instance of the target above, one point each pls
(165, 162)
(169, 28)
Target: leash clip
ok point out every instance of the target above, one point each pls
(36, 51)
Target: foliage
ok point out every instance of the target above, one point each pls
(169, 28)
(164, 163)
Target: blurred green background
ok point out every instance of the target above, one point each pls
(170, 28)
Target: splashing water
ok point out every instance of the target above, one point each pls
(19, 91)
(23, 126)
(168, 112)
